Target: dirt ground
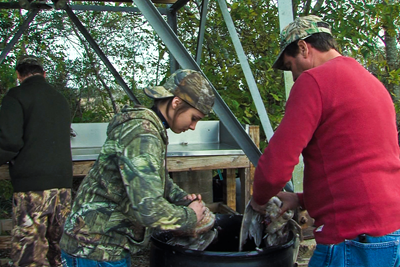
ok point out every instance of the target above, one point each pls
(142, 259)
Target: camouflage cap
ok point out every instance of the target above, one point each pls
(189, 85)
(29, 60)
(300, 28)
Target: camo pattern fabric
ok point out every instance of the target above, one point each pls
(189, 85)
(29, 60)
(38, 219)
(300, 28)
(127, 193)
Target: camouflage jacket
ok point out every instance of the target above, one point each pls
(127, 193)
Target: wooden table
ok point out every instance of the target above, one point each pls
(228, 163)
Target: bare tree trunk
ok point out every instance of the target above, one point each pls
(392, 54)
(317, 7)
(392, 59)
(307, 8)
(114, 105)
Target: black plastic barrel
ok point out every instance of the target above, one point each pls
(224, 252)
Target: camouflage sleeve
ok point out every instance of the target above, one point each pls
(173, 193)
(142, 167)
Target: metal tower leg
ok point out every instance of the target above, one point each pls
(200, 39)
(100, 53)
(186, 61)
(262, 112)
(18, 34)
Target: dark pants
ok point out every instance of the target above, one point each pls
(38, 219)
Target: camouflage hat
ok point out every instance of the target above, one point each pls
(29, 60)
(300, 28)
(189, 85)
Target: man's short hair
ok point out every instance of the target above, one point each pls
(323, 42)
(28, 65)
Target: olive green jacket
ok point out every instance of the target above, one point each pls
(127, 193)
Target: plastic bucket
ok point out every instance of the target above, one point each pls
(224, 252)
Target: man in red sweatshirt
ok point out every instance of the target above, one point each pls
(342, 119)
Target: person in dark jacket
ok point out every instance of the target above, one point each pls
(35, 141)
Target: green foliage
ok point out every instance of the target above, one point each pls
(220, 64)
(8, 77)
(75, 69)
(366, 30)
(6, 192)
(6, 189)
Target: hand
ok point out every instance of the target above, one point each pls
(290, 201)
(258, 208)
(199, 209)
(192, 197)
(188, 199)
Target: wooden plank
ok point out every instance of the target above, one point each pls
(5, 225)
(176, 164)
(254, 132)
(247, 175)
(5, 242)
(196, 182)
(230, 188)
(81, 168)
(4, 175)
(181, 164)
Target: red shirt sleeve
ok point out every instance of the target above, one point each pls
(302, 116)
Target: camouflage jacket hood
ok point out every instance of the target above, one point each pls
(127, 193)
(137, 113)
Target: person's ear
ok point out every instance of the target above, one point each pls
(176, 101)
(303, 48)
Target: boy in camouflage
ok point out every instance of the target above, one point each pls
(128, 191)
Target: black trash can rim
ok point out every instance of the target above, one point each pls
(261, 251)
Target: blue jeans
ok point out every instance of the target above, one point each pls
(72, 261)
(363, 251)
